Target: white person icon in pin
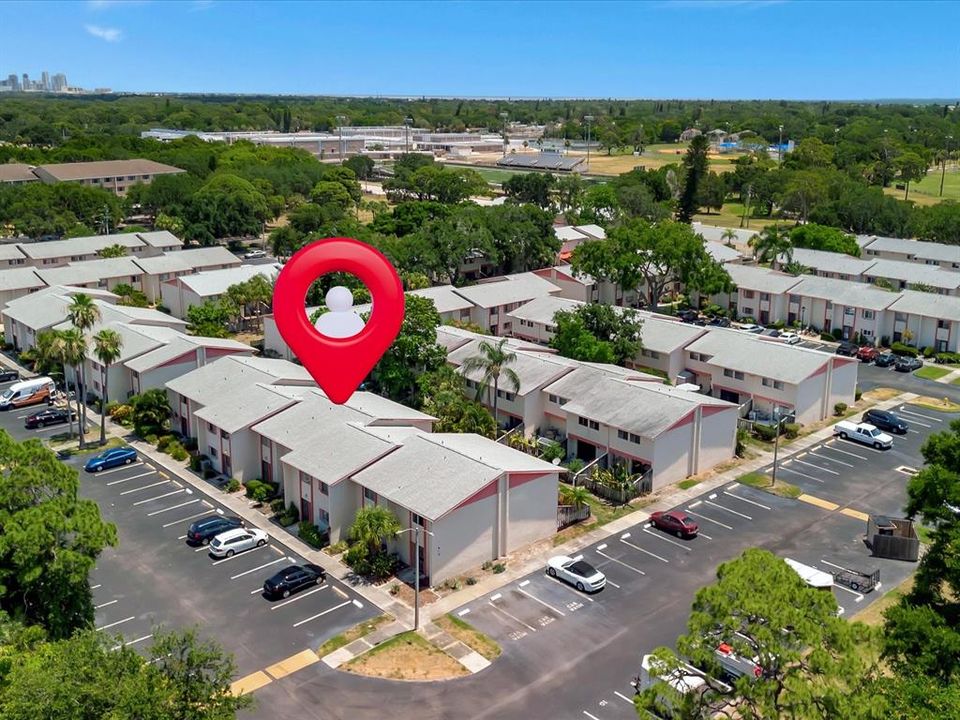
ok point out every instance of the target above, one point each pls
(340, 320)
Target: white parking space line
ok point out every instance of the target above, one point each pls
(504, 612)
(240, 554)
(158, 497)
(132, 477)
(132, 642)
(611, 582)
(536, 599)
(746, 500)
(710, 519)
(601, 548)
(623, 539)
(915, 432)
(260, 567)
(818, 467)
(830, 459)
(189, 517)
(465, 611)
(103, 605)
(144, 487)
(916, 414)
(592, 717)
(623, 697)
(861, 446)
(94, 587)
(797, 472)
(157, 512)
(859, 597)
(732, 512)
(829, 445)
(46, 428)
(118, 469)
(202, 548)
(114, 624)
(181, 537)
(296, 597)
(329, 610)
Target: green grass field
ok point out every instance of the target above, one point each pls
(932, 372)
(927, 191)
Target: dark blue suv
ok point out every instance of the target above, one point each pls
(110, 459)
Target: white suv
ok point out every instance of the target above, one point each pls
(231, 542)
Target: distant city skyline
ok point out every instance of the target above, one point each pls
(56, 83)
(682, 49)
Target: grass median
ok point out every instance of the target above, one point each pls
(760, 481)
(408, 656)
(932, 372)
(468, 635)
(351, 634)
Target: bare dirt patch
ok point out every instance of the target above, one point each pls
(407, 656)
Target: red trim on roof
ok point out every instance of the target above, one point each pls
(709, 410)
(179, 359)
(482, 494)
(819, 371)
(685, 420)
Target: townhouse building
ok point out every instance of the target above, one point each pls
(15, 282)
(760, 293)
(765, 376)
(117, 176)
(11, 255)
(492, 300)
(104, 273)
(25, 317)
(904, 275)
(826, 304)
(830, 264)
(160, 268)
(915, 251)
(573, 286)
(924, 320)
(54, 253)
(179, 294)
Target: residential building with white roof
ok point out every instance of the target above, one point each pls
(915, 251)
(54, 253)
(104, 273)
(831, 264)
(932, 320)
(493, 299)
(179, 294)
(760, 293)
(904, 275)
(160, 268)
(11, 255)
(15, 282)
(826, 304)
(765, 374)
(573, 286)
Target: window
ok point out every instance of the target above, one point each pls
(323, 516)
(764, 297)
(594, 425)
(582, 421)
(748, 294)
(623, 434)
(324, 488)
(794, 298)
(417, 520)
(635, 439)
(554, 399)
(211, 428)
(735, 374)
(829, 305)
(849, 311)
(213, 451)
(943, 324)
(224, 434)
(747, 311)
(866, 314)
(727, 372)
(900, 317)
(370, 495)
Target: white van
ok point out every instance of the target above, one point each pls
(27, 392)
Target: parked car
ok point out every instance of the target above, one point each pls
(885, 359)
(110, 459)
(579, 573)
(848, 348)
(868, 353)
(8, 375)
(675, 522)
(49, 416)
(254, 254)
(719, 321)
(751, 328)
(27, 392)
(863, 433)
(886, 420)
(229, 543)
(908, 364)
(291, 579)
(790, 338)
(689, 315)
(202, 531)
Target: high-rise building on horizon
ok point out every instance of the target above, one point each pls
(45, 81)
(25, 83)
(56, 83)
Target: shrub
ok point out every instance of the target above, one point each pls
(948, 357)
(120, 413)
(741, 447)
(471, 580)
(261, 493)
(902, 350)
(163, 443)
(840, 408)
(553, 451)
(190, 444)
(337, 548)
(251, 486)
(791, 430)
(233, 485)
(195, 461)
(111, 406)
(827, 337)
(764, 432)
(395, 589)
(487, 565)
(177, 451)
(778, 325)
(150, 439)
(312, 535)
(276, 506)
(285, 516)
(499, 568)
(575, 466)
(857, 394)
(382, 566)
(927, 352)
(837, 333)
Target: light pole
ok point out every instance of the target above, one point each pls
(803, 309)
(504, 116)
(946, 156)
(776, 444)
(341, 119)
(780, 149)
(407, 122)
(416, 530)
(588, 119)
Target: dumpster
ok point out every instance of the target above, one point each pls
(893, 538)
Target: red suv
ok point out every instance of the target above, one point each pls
(676, 522)
(868, 353)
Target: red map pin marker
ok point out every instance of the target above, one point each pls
(338, 365)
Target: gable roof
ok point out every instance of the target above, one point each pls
(187, 260)
(752, 354)
(216, 282)
(91, 271)
(830, 261)
(9, 251)
(917, 248)
(19, 278)
(534, 370)
(933, 305)
(845, 292)
(912, 273)
(508, 289)
(720, 252)
(235, 411)
(229, 374)
(107, 168)
(542, 309)
(751, 277)
(444, 297)
(160, 239)
(79, 245)
(187, 344)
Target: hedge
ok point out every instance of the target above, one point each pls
(312, 535)
(945, 358)
(903, 350)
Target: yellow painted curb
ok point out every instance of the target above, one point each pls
(825, 504)
(293, 663)
(250, 683)
(855, 514)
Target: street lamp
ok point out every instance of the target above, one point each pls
(588, 119)
(943, 166)
(504, 116)
(341, 119)
(407, 122)
(803, 309)
(780, 148)
(776, 441)
(416, 530)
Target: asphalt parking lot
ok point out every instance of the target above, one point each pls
(154, 578)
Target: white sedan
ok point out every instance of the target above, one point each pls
(790, 338)
(253, 254)
(231, 542)
(579, 573)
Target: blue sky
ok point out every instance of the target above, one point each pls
(687, 48)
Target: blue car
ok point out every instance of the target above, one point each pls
(110, 459)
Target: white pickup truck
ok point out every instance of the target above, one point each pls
(863, 433)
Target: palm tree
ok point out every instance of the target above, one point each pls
(574, 495)
(728, 236)
(106, 346)
(492, 362)
(373, 526)
(83, 314)
(51, 349)
(771, 244)
(74, 354)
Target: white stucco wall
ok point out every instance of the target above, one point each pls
(532, 512)
(464, 539)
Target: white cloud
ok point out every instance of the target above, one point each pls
(108, 34)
